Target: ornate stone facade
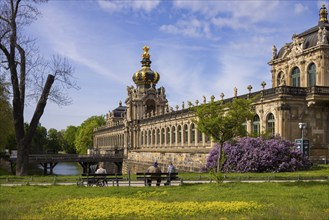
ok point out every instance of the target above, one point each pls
(148, 130)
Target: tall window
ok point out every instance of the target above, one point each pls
(185, 134)
(311, 73)
(270, 122)
(173, 135)
(244, 125)
(158, 136)
(256, 125)
(200, 136)
(179, 134)
(168, 136)
(142, 139)
(163, 136)
(153, 137)
(295, 75)
(149, 137)
(207, 139)
(192, 138)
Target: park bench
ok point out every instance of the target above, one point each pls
(91, 179)
(158, 177)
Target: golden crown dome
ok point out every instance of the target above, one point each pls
(146, 76)
(323, 14)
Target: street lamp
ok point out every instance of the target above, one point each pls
(302, 126)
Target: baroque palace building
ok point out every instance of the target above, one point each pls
(146, 129)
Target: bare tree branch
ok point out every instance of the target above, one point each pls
(31, 76)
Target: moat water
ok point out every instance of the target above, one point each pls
(69, 169)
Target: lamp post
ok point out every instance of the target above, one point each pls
(302, 126)
(303, 144)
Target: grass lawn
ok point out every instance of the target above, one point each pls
(316, 172)
(298, 200)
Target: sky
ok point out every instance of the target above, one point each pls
(199, 48)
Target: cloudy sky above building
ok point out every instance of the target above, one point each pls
(200, 48)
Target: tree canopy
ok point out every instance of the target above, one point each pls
(84, 136)
(69, 139)
(223, 121)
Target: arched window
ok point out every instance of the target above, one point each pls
(311, 75)
(200, 136)
(179, 134)
(153, 137)
(142, 138)
(256, 125)
(192, 138)
(270, 123)
(185, 134)
(168, 136)
(244, 125)
(173, 135)
(163, 133)
(158, 136)
(207, 139)
(149, 138)
(295, 76)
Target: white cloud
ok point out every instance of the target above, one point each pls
(204, 18)
(191, 28)
(251, 10)
(300, 8)
(118, 6)
(228, 22)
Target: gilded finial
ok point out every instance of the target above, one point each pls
(146, 54)
(323, 14)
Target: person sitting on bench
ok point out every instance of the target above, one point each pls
(154, 169)
(101, 170)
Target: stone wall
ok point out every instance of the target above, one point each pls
(192, 161)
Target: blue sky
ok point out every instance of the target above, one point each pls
(200, 48)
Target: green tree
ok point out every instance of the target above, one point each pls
(84, 138)
(6, 117)
(54, 142)
(223, 121)
(31, 75)
(39, 139)
(69, 139)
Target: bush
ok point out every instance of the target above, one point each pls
(259, 155)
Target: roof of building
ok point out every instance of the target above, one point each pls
(310, 36)
(120, 110)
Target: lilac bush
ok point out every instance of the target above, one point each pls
(259, 155)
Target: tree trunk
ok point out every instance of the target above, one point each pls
(220, 156)
(24, 142)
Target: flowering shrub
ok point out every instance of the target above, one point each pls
(259, 155)
(120, 208)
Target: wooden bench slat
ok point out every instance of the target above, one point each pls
(95, 178)
(148, 177)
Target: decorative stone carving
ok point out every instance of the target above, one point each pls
(322, 33)
(282, 80)
(274, 52)
(222, 96)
